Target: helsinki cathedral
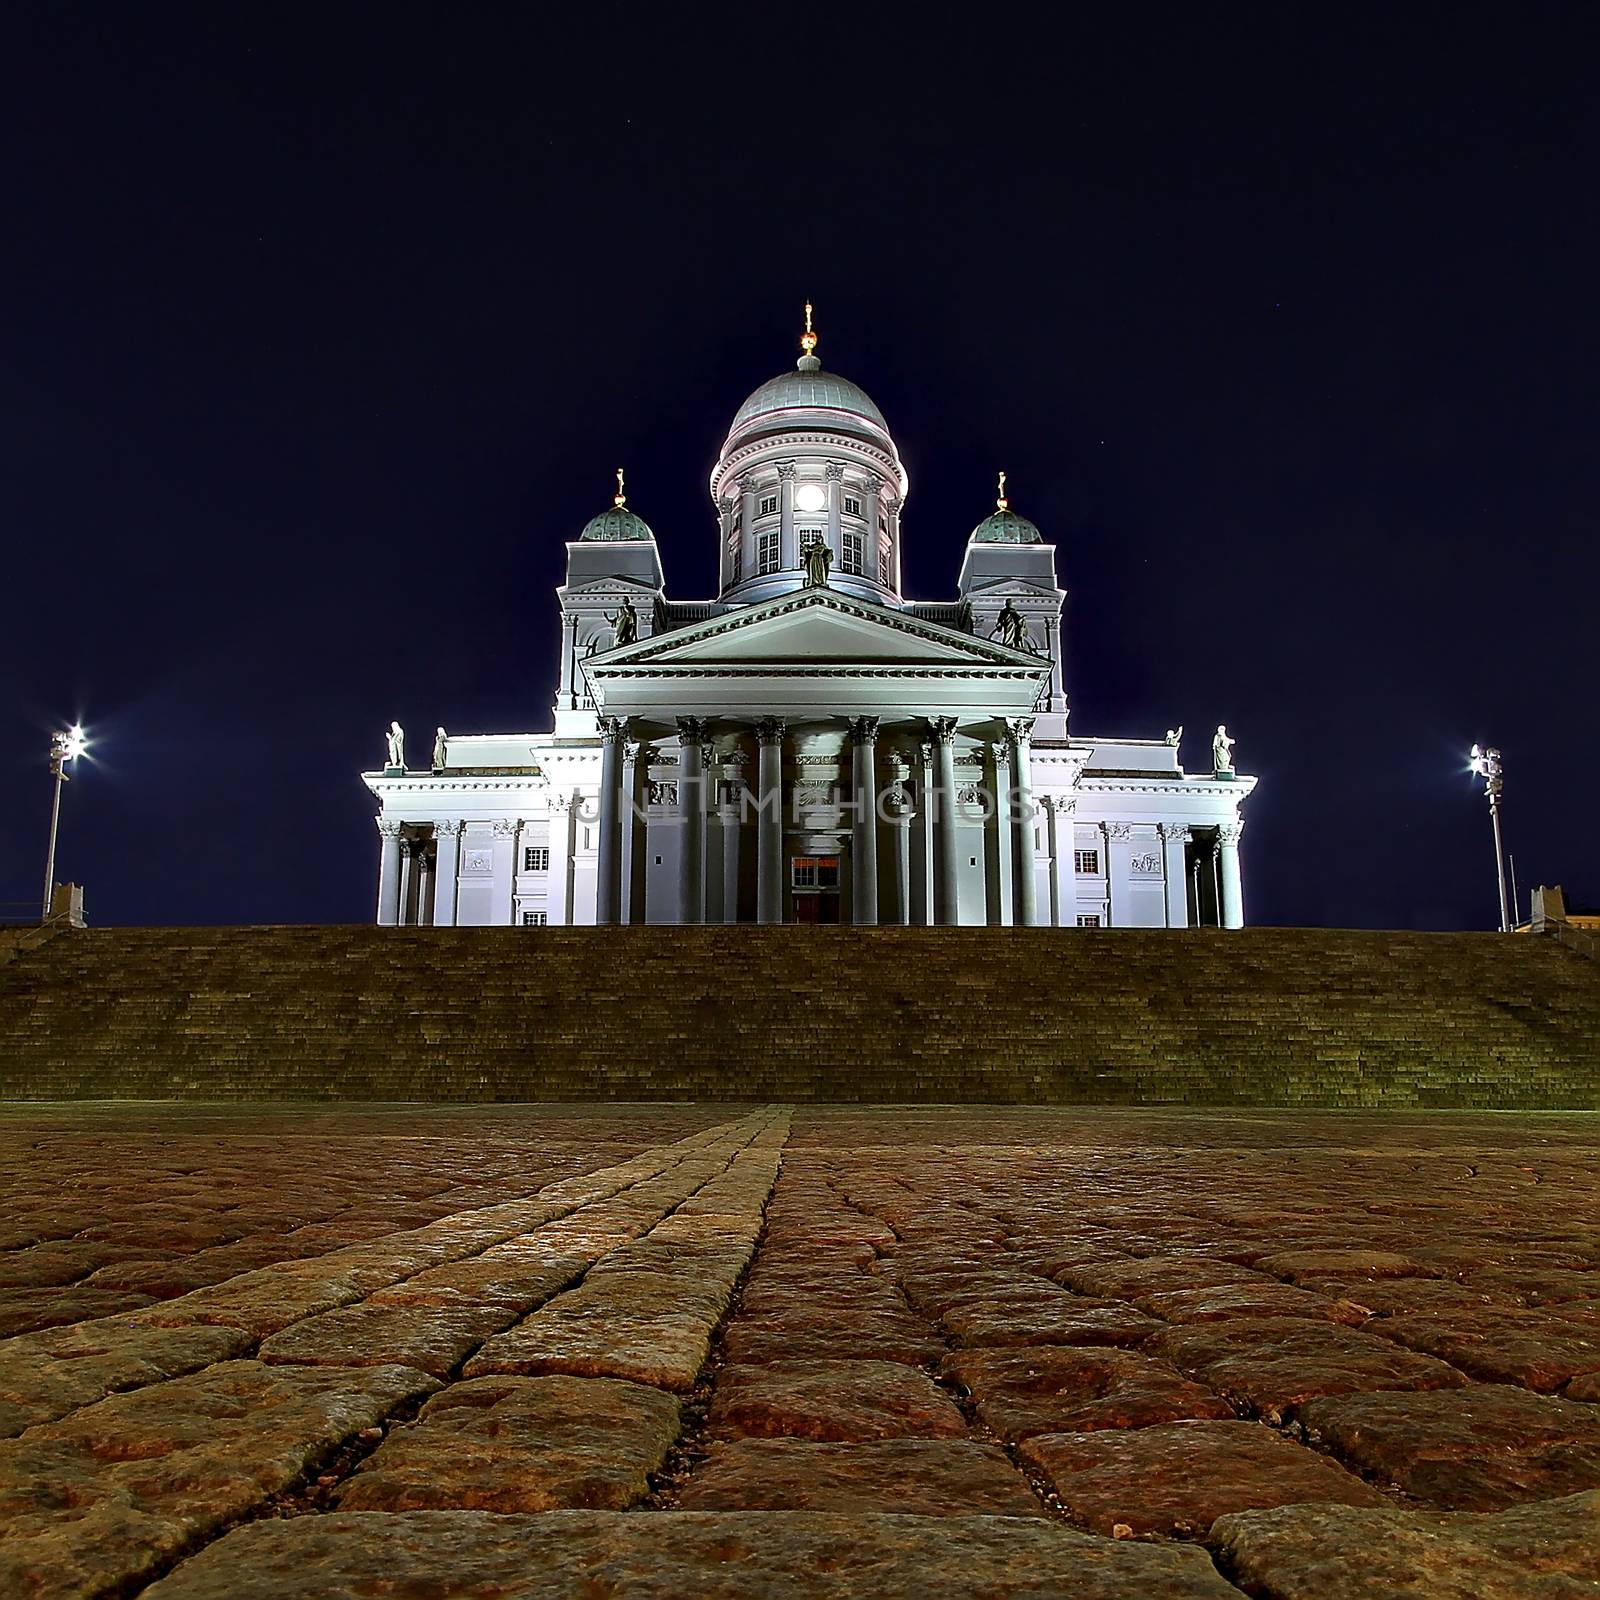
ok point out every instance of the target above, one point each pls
(810, 745)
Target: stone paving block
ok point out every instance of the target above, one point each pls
(1299, 1266)
(1546, 1551)
(846, 1401)
(521, 1444)
(1177, 1479)
(1481, 1448)
(921, 1477)
(1270, 1365)
(1502, 1345)
(1050, 1318)
(672, 1554)
(434, 1339)
(44, 1376)
(96, 1501)
(1029, 1389)
(1265, 1299)
(1125, 1280)
(485, 1280)
(843, 1336)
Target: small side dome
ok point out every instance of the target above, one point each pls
(618, 523)
(1005, 526)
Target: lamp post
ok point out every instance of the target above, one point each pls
(64, 747)
(1486, 763)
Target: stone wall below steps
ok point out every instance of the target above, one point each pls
(1280, 1017)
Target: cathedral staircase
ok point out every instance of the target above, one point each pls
(1281, 1017)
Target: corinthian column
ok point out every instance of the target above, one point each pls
(769, 821)
(864, 825)
(608, 902)
(835, 476)
(388, 872)
(447, 849)
(691, 819)
(790, 555)
(1232, 880)
(946, 877)
(1019, 807)
(1174, 836)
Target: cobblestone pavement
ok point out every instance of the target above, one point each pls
(731, 1351)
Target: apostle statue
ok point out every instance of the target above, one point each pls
(1012, 629)
(1175, 735)
(819, 558)
(397, 746)
(625, 625)
(1222, 750)
(440, 739)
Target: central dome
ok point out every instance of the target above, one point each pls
(809, 391)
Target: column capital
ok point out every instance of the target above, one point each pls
(874, 482)
(1228, 833)
(692, 730)
(1175, 832)
(786, 470)
(559, 803)
(863, 730)
(834, 472)
(388, 828)
(944, 729)
(770, 730)
(447, 827)
(1018, 731)
(613, 730)
(506, 827)
(1118, 830)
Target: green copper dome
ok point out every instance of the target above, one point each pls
(616, 523)
(1006, 527)
(808, 391)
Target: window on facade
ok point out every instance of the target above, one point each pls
(736, 560)
(883, 565)
(1088, 919)
(883, 525)
(815, 872)
(535, 919)
(536, 858)
(852, 507)
(1086, 861)
(854, 553)
(808, 537)
(738, 522)
(767, 552)
(769, 504)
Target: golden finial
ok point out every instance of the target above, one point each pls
(1002, 503)
(808, 339)
(620, 499)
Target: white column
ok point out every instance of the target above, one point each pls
(447, 846)
(1174, 836)
(898, 839)
(732, 810)
(424, 884)
(835, 476)
(997, 896)
(946, 874)
(608, 898)
(920, 841)
(691, 820)
(406, 912)
(560, 860)
(869, 508)
(1119, 871)
(769, 821)
(893, 504)
(638, 754)
(1019, 808)
(789, 555)
(566, 692)
(501, 899)
(863, 809)
(1228, 870)
(747, 525)
(388, 872)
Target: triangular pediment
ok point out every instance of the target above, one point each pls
(815, 629)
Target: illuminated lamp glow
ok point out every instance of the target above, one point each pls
(810, 497)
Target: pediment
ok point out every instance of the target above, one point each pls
(608, 588)
(815, 630)
(1014, 589)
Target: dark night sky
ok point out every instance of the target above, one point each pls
(325, 328)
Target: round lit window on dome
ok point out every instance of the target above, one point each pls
(811, 497)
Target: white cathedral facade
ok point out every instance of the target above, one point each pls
(810, 746)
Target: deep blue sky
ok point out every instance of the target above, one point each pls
(325, 327)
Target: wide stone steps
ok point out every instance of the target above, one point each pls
(1262, 1016)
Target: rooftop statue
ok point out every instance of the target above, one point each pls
(625, 625)
(440, 740)
(819, 558)
(1175, 735)
(1222, 750)
(397, 745)
(1012, 628)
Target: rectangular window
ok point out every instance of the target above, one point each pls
(852, 507)
(736, 560)
(1088, 919)
(767, 552)
(536, 858)
(883, 565)
(769, 504)
(738, 523)
(535, 919)
(814, 872)
(808, 537)
(883, 526)
(1086, 861)
(854, 547)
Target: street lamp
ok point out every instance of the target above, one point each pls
(1486, 763)
(64, 747)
